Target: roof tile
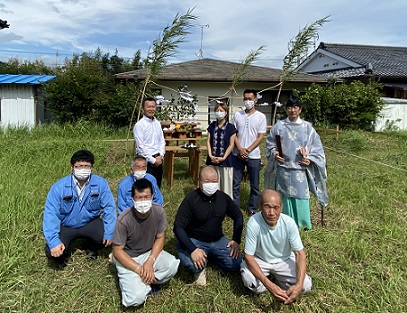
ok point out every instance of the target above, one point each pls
(385, 60)
(217, 71)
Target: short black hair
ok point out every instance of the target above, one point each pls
(254, 92)
(147, 99)
(82, 155)
(140, 185)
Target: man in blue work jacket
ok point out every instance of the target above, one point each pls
(73, 210)
(138, 171)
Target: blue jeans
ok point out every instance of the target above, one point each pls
(217, 252)
(253, 169)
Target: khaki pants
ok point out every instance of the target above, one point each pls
(225, 179)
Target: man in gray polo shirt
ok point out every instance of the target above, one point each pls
(139, 239)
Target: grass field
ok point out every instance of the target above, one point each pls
(357, 261)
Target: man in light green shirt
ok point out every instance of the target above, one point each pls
(273, 247)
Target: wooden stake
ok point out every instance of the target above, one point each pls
(322, 215)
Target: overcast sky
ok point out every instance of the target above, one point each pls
(55, 29)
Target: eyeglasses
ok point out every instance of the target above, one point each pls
(81, 167)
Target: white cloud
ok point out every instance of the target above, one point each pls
(235, 26)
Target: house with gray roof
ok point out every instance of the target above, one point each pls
(211, 79)
(21, 103)
(383, 64)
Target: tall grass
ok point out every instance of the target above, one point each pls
(357, 261)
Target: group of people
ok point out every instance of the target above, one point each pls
(81, 206)
(296, 158)
(234, 148)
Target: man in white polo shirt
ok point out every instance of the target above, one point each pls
(251, 126)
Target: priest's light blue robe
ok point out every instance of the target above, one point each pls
(290, 179)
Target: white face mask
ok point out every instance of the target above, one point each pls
(220, 115)
(142, 206)
(209, 188)
(248, 104)
(82, 173)
(139, 174)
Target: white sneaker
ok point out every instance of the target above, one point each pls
(200, 278)
(110, 257)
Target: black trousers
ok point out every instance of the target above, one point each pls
(92, 233)
(157, 172)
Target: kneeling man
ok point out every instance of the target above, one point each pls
(139, 239)
(198, 228)
(273, 247)
(78, 206)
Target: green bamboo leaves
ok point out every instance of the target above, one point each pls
(298, 47)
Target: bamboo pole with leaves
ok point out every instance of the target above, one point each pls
(163, 47)
(241, 71)
(298, 47)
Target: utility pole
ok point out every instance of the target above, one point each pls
(200, 52)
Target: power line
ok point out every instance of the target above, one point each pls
(35, 52)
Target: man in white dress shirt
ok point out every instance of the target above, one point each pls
(149, 139)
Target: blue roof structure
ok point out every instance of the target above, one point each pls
(25, 79)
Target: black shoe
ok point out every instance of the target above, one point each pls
(91, 255)
(155, 289)
(250, 213)
(59, 264)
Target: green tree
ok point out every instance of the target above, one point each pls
(15, 66)
(73, 94)
(114, 64)
(351, 106)
(85, 90)
(116, 108)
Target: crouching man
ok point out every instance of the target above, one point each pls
(138, 240)
(273, 247)
(198, 228)
(78, 206)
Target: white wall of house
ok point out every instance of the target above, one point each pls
(324, 61)
(18, 106)
(393, 113)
